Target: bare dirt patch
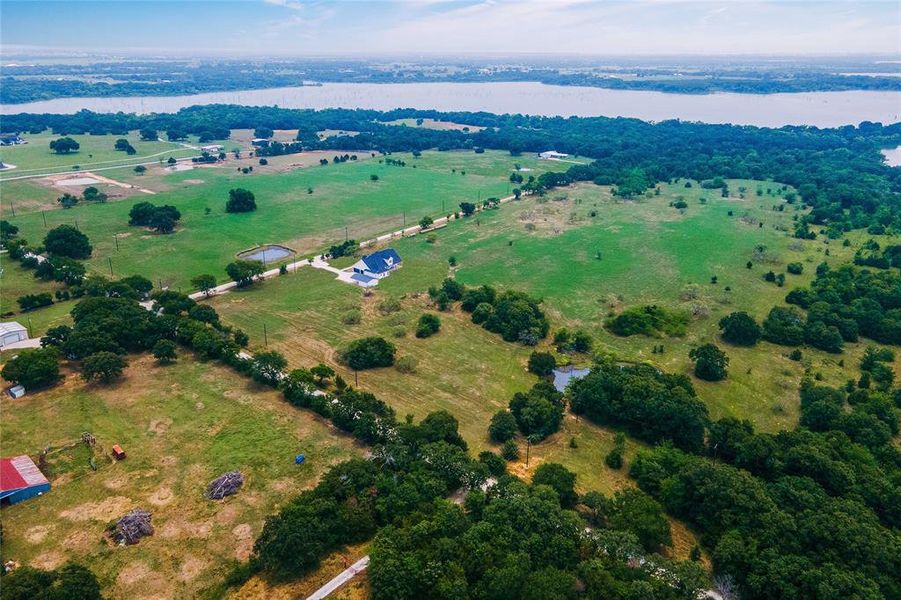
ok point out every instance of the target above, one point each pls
(227, 514)
(36, 534)
(105, 510)
(244, 541)
(282, 485)
(191, 568)
(79, 541)
(159, 426)
(49, 560)
(194, 181)
(161, 497)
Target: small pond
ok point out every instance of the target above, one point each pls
(266, 254)
(564, 375)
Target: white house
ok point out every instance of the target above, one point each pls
(552, 154)
(12, 332)
(212, 148)
(372, 267)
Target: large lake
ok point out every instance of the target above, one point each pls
(823, 109)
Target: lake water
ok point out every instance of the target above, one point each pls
(822, 109)
(892, 156)
(564, 375)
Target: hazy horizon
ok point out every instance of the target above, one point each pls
(438, 28)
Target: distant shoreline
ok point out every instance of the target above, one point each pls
(820, 109)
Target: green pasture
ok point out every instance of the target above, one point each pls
(463, 369)
(95, 152)
(181, 426)
(650, 253)
(345, 201)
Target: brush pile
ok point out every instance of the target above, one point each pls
(225, 485)
(132, 527)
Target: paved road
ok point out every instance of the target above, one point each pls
(342, 578)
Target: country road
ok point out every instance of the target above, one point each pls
(321, 264)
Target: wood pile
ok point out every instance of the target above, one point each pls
(132, 527)
(225, 485)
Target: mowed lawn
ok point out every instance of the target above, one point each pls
(345, 201)
(181, 426)
(95, 151)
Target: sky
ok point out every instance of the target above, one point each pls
(299, 28)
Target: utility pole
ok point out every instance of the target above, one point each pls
(356, 378)
(44, 215)
(116, 237)
(110, 260)
(345, 233)
(265, 336)
(528, 449)
(76, 223)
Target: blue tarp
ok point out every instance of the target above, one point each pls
(299, 459)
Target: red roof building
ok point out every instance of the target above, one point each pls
(20, 479)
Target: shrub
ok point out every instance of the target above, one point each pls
(352, 317)
(542, 363)
(104, 367)
(741, 329)
(164, 352)
(32, 301)
(494, 463)
(502, 427)
(369, 353)
(538, 412)
(406, 364)
(428, 325)
(560, 479)
(710, 362)
(240, 200)
(649, 321)
(33, 368)
(510, 451)
(795, 268)
(784, 326)
(67, 241)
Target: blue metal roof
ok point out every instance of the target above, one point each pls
(382, 261)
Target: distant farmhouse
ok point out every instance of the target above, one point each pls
(11, 139)
(212, 148)
(260, 142)
(367, 271)
(12, 332)
(552, 154)
(20, 479)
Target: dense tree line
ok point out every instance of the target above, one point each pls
(810, 513)
(520, 541)
(838, 172)
(841, 305)
(651, 405)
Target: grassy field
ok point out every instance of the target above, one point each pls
(181, 426)
(463, 369)
(650, 253)
(95, 151)
(344, 199)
